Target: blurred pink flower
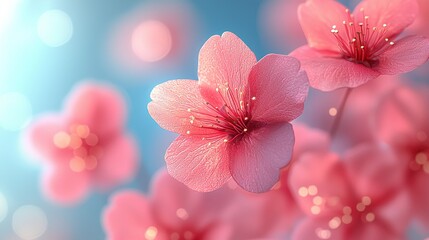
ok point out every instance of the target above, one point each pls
(348, 49)
(403, 122)
(420, 26)
(173, 211)
(234, 121)
(361, 107)
(358, 197)
(85, 145)
(307, 140)
(279, 22)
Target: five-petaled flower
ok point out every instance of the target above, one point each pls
(84, 146)
(348, 49)
(234, 121)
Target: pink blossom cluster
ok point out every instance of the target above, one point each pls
(258, 156)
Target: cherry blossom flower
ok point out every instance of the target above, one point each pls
(234, 121)
(84, 146)
(408, 134)
(348, 49)
(173, 211)
(356, 197)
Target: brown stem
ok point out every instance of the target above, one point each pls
(339, 115)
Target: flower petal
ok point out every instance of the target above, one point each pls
(101, 107)
(328, 71)
(420, 197)
(318, 228)
(65, 186)
(172, 105)
(397, 14)
(39, 138)
(375, 169)
(202, 165)
(118, 162)
(223, 60)
(317, 18)
(256, 159)
(322, 175)
(129, 216)
(405, 55)
(280, 89)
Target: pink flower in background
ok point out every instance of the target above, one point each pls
(361, 108)
(173, 211)
(348, 49)
(358, 197)
(279, 22)
(234, 121)
(420, 26)
(84, 146)
(408, 133)
(307, 140)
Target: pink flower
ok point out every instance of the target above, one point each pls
(173, 211)
(357, 197)
(348, 49)
(234, 121)
(361, 108)
(279, 20)
(408, 133)
(85, 145)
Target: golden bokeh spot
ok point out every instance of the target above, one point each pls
(82, 131)
(91, 162)
(77, 164)
(366, 200)
(370, 217)
(303, 192)
(182, 213)
(92, 139)
(421, 158)
(335, 223)
(312, 190)
(61, 140)
(315, 210)
(333, 112)
(151, 233)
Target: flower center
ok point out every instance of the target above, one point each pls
(231, 119)
(83, 145)
(360, 42)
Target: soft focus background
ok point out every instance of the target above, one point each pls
(47, 46)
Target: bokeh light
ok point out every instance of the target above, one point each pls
(7, 11)
(15, 111)
(151, 41)
(3, 207)
(29, 222)
(55, 28)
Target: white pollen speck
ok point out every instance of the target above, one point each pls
(188, 132)
(253, 98)
(189, 110)
(245, 130)
(384, 25)
(391, 43)
(217, 89)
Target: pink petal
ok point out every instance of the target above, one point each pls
(129, 216)
(202, 165)
(328, 71)
(64, 186)
(309, 140)
(280, 89)
(320, 174)
(409, 110)
(100, 107)
(172, 102)
(394, 213)
(317, 18)
(420, 197)
(405, 55)
(397, 14)
(256, 159)
(374, 169)
(118, 163)
(39, 138)
(318, 228)
(223, 60)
